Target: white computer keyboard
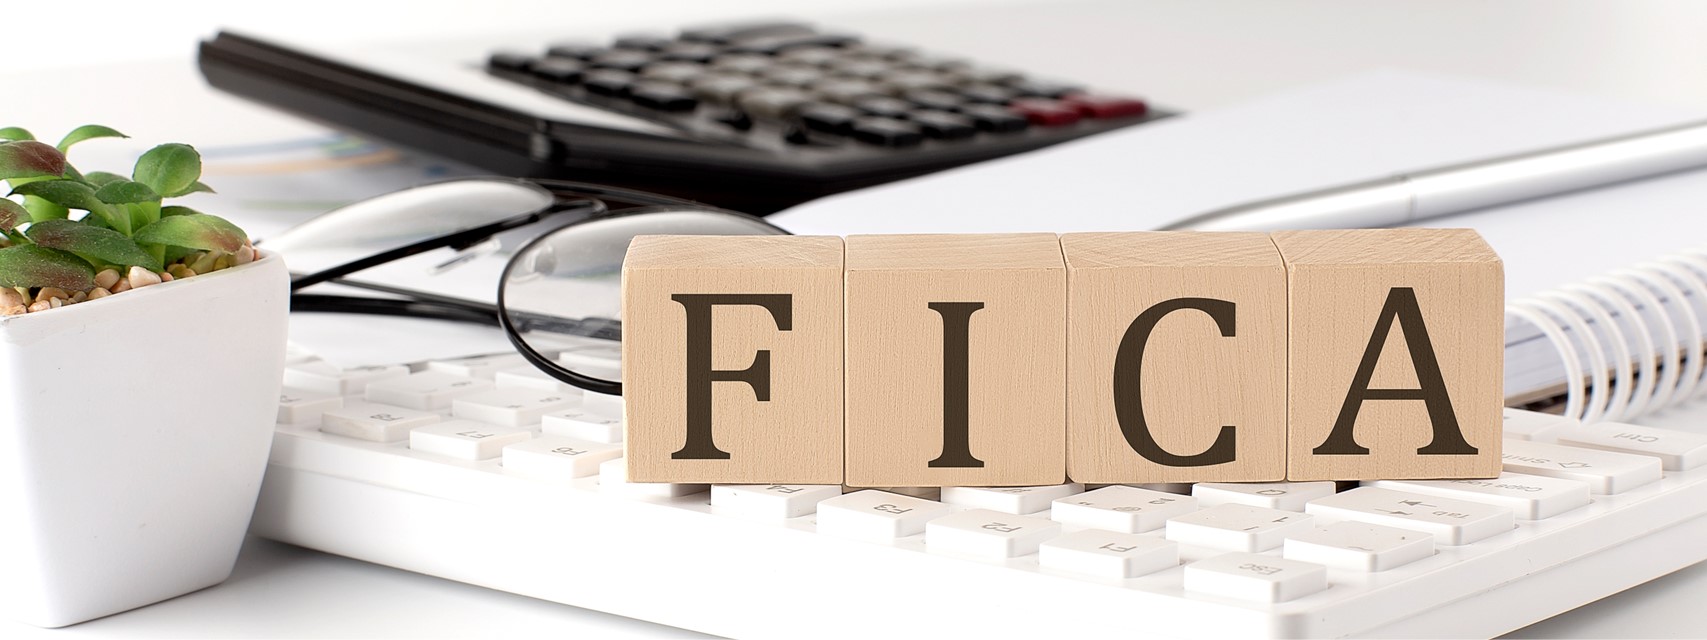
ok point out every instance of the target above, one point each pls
(484, 471)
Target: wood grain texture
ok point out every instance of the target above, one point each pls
(1193, 380)
(793, 437)
(1015, 355)
(1340, 286)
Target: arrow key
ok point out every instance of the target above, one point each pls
(1451, 521)
(1606, 472)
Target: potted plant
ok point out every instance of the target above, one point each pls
(140, 356)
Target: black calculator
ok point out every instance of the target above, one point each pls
(752, 116)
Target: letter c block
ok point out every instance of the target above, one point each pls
(1397, 351)
(732, 359)
(956, 350)
(1176, 357)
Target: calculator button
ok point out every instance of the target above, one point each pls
(297, 406)
(607, 82)
(989, 534)
(689, 52)
(1042, 89)
(581, 425)
(1605, 472)
(426, 391)
(465, 439)
(629, 61)
(986, 76)
(559, 70)
(322, 377)
(721, 89)
(725, 33)
(1529, 497)
(884, 106)
(772, 103)
(675, 72)
(1236, 527)
(374, 422)
(530, 377)
(927, 62)
(931, 99)
(906, 82)
(557, 457)
(1677, 450)
(987, 94)
(576, 50)
(641, 42)
(829, 118)
(887, 132)
(1015, 500)
(663, 96)
(995, 119)
(1047, 113)
(613, 477)
(772, 45)
(1108, 554)
(877, 51)
(512, 407)
(1286, 496)
(943, 125)
(877, 516)
(1094, 106)
(1359, 546)
(1254, 577)
(792, 76)
(1121, 508)
(482, 367)
(863, 69)
(772, 501)
(742, 63)
(846, 90)
(1451, 521)
(1518, 424)
(510, 61)
(812, 56)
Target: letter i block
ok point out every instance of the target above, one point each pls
(955, 360)
(732, 359)
(1176, 356)
(1397, 348)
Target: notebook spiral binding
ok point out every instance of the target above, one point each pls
(1631, 341)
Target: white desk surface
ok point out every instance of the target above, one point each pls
(1186, 55)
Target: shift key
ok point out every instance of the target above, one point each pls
(1606, 472)
(1677, 450)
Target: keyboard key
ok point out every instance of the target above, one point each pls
(297, 406)
(1449, 520)
(1253, 577)
(1095, 106)
(721, 89)
(1042, 88)
(943, 125)
(1045, 113)
(905, 82)
(375, 422)
(986, 76)
(772, 501)
(877, 516)
(995, 119)
(887, 132)
(884, 106)
(1677, 450)
(427, 390)
(509, 61)
(726, 33)
(769, 103)
(746, 64)
(1236, 527)
(621, 60)
(1359, 546)
(1285, 496)
(1108, 554)
(1606, 472)
(530, 377)
(1015, 500)
(862, 69)
(1529, 497)
(1531, 425)
(689, 52)
(607, 82)
(466, 439)
(987, 94)
(846, 90)
(582, 51)
(673, 72)
(581, 425)
(613, 477)
(1121, 508)
(511, 407)
(935, 100)
(322, 377)
(989, 534)
(482, 367)
(791, 76)
(641, 42)
(663, 96)
(812, 56)
(829, 118)
(772, 45)
(601, 404)
(557, 457)
(559, 70)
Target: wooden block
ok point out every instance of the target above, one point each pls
(1396, 354)
(1176, 357)
(732, 359)
(955, 360)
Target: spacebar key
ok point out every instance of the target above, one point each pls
(1605, 472)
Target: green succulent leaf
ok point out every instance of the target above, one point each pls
(102, 178)
(12, 213)
(15, 133)
(86, 132)
(169, 169)
(30, 159)
(65, 193)
(196, 231)
(43, 210)
(197, 187)
(123, 191)
(176, 210)
(94, 245)
(28, 265)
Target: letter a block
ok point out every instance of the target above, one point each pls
(1397, 344)
(1176, 357)
(732, 359)
(956, 360)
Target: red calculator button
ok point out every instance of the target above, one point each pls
(1045, 113)
(1093, 106)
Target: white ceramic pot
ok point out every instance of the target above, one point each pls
(133, 434)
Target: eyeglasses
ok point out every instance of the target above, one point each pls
(560, 293)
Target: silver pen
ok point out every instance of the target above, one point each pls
(1401, 199)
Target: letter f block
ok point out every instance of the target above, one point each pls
(1397, 348)
(955, 360)
(732, 359)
